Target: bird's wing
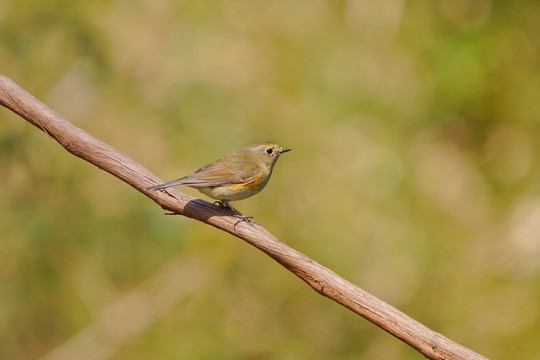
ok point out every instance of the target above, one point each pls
(223, 171)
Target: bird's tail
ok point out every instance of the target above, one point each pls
(166, 185)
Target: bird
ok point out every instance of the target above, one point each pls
(235, 176)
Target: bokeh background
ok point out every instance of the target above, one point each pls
(414, 174)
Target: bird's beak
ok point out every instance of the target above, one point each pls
(284, 150)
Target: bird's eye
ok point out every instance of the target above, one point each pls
(269, 151)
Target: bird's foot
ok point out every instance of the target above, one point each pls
(248, 219)
(223, 204)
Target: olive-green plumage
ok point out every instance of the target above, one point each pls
(235, 176)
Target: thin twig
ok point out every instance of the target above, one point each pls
(78, 142)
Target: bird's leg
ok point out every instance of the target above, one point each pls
(225, 203)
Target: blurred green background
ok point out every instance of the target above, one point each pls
(414, 174)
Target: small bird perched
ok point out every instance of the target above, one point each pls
(235, 176)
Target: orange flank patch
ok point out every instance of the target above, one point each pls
(256, 181)
(248, 185)
(235, 187)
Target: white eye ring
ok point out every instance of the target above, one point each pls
(269, 151)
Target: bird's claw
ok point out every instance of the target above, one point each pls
(248, 219)
(225, 204)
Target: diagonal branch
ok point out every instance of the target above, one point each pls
(78, 142)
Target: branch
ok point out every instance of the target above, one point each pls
(78, 142)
